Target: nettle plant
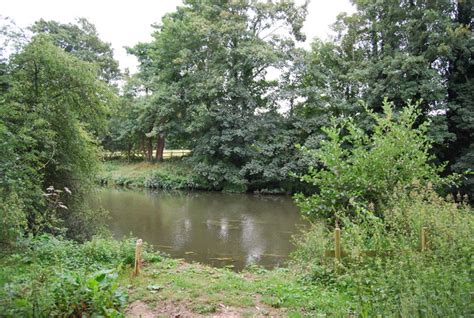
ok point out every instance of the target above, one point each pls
(357, 168)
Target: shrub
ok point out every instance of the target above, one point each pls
(63, 293)
(358, 168)
(380, 187)
(171, 180)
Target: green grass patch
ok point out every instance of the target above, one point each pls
(173, 174)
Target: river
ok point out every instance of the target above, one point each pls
(218, 229)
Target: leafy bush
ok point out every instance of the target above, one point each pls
(358, 168)
(49, 276)
(64, 293)
(381, 189)
(163, 180)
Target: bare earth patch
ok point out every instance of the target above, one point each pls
(181, 309)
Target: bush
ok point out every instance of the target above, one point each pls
(358, 168)
(64, 293)
(381, 190)
(170, 180)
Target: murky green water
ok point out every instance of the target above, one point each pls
(213, 228)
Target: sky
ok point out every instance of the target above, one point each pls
(125, 23)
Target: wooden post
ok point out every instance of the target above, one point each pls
(138, 255)
(423, 238)
(337, 243)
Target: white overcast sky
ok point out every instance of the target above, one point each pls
(125, 23)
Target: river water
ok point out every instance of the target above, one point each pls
(213, 228)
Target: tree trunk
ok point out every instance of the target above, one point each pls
(142, 146)
(149, 148)
(160, 147)
(129, 152)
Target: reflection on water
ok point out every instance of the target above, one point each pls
(213, 228)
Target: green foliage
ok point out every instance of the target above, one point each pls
(357, 169)
(174, 174)
(167, 180)
(81, 40)
(207, 68)
(400, 280)
(69, 293)
(204, 81)
(380, 187)
(50, 276)
(54, 277)
(12, 216)
(50, 117)
(401, 50)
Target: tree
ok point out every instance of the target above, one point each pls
(212, 58)
(49, 116)
(82, 41)
(460, 91)
(404, 50)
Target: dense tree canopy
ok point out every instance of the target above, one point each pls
(207, 69)
(419, 51)
(53, 108)
(227, 78)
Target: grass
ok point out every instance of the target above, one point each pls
(256, 291)
(140, 173)
(47, 276)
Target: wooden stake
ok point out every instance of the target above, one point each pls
(337, 243)
(423, 238)
(138, 255)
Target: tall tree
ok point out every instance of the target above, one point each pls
(460, 87)
(54, 106)
(213, 58)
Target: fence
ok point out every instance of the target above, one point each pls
(338, 253)
(167, 154)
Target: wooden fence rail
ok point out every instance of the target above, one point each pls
(338, 253)
(171, 153)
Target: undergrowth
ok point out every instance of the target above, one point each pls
(47, 276)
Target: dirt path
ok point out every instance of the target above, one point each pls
(181, 309)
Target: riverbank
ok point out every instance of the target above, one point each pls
(47, 276)
(172, 174)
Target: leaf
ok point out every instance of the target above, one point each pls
(154, 287)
